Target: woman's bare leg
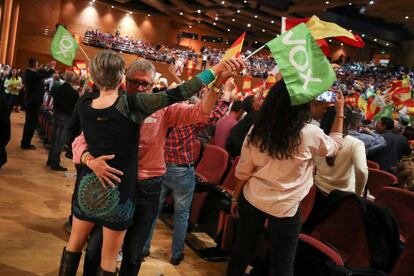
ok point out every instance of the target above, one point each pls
(79, 234)
(112, 242)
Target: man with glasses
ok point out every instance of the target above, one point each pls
(140, 79)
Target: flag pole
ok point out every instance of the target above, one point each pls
(246, 58)
(83, 51)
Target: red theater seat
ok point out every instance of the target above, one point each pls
(373, 165)
(377, 179)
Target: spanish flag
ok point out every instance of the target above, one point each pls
(235, 48)
(362, 104)
(401, 95)
(247, 85)
(372, 109)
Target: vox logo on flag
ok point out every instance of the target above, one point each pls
(305, 69)
(64, 46)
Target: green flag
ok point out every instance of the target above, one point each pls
(386, 111)
(64, 46)
(305, 69)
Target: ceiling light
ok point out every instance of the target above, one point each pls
(190, 26)
(181, 13)
(342, 44)
(233, 20)
(112, 7)
(216, 18)
(327, 2)
(387, 44)
(130, 12)
(350, 4)
(248, 25)
(375, 39)
(245, 1)
(263, 30)
(363, 35)
(222, 2)
(227, 42)
(90, 3)
(228, 30)
(330, 40)
(255, 42)
(371, 2)
(272, 21)
(198, 11)
(199, 21)
(149, 14)
(214, 40)
(93, 1)
(350, 30)
(407, 17)
(238, 11)
(214, 23)
(255, 16)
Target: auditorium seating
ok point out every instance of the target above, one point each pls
(378, 179)
(401, 202)
(373, 165)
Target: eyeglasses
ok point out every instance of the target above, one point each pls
(138, 83)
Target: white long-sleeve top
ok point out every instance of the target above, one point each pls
(350, 172)
(277, 186)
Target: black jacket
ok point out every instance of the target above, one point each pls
(397, 147)
(235, 140)
(64, 98)
(33, 81)
(4, 129)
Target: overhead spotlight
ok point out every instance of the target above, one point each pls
(375, 39)
(199, 22)
(327, 2)
(273, 22)
(255, 16)
(371, 2)
(387, 44)
(149, 15)
(228, 30)
(227, 42)
(248, 25)
(350, 30)
(350, 4)
(199, 11)
(263, 30)
(222, 2)
(130, 12)
(245, 1)
(214, 23)
(233, 20)
(342, 44)
(181, 13)
(190, 26)
(214, 40)
(112, 7)
(363, 35)
(407, 17)
(330, 40)
(93, 1)
(216, 18)
(238, 11)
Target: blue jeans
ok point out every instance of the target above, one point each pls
(181, 182)
(59, 137)
(147, 199)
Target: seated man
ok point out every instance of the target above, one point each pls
(397, 145)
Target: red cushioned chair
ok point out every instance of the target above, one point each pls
(401, 203)
(377, 179)
(210, 170)
(307, 203)
(340, 237)
(373, 165)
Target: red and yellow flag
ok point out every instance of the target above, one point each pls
(235, 48)
(247, 84)
(372, 109)
(401, 95)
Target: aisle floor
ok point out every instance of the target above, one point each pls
(34, 204)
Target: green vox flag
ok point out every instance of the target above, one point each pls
(305, 69)
(386, 111)
(64, 46)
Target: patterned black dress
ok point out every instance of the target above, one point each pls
(115, 130)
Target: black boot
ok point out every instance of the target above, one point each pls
(69, 263)
(102, 272)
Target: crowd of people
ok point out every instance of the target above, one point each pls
(120, 191)
(257, 66)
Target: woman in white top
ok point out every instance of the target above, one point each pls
(347, 171)
(274, 174)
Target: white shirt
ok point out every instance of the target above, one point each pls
(350, 172)
(277, 186)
